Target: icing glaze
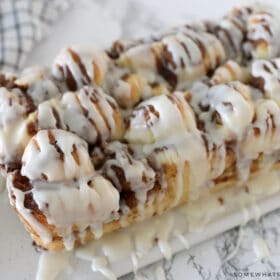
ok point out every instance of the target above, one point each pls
(177, 58)
(216, 126)
(89, 113)
(263, 31)
(228, 72)
(14, 105)
(38, 83)
(63, 186)
(149, 122)
(227, 106)
(126, 172)
(55, 155)
(79, 66)
(265, 76)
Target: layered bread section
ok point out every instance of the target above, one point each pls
(102, 140)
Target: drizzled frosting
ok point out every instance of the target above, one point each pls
(14, 124)
(38, 83)
(90, 201)
(150, 122)
(89, 113)
(228, 72)
(130, 90)
(126, 172)
(263, 135)
(19, 99)
(178, 141)
(231, 30)
(79, 66)
(14, 139)
(13, 106)
(177, 58)
(55, 155)
(266, 77)
(225, 110)
(263, 31)
(58, 176)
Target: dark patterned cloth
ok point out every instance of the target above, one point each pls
(22, 24)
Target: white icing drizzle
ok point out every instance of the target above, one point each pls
(263, 135)
(144, 239)
(52, 161)
(56, 155)
(193, 169)
(100, 264)
(39, 84)
(231, 31)
(79, 66)
(117, 246)
(13, 106)
(266, 75)
(82, 204)
(263, 31)
(230, 71)
(89, 113)
(183, 239)
(160, 274)
(165, 226)
(149, 122)
(52, 264)
(186, 55)
(43, 232)
(225, 110)
(126, 172)
(14, 138)
(260, 248)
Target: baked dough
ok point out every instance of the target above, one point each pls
(118, 137)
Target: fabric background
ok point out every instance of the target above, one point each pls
(22, 24)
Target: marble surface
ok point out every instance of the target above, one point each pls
(98, 23)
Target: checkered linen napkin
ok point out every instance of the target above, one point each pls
(22, 24)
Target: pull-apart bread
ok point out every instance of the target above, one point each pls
(104, 139)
